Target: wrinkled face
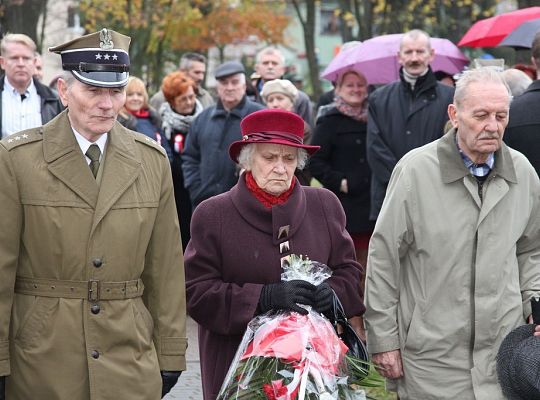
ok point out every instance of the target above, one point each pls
(196, 72)
(185, 103)
(134, 99)
(18, 62)
(270, 67)
(231, 90)
(92, 110)
(273, 167)
(279, 101)
(353, 89)
(415, 55)
(481, 119)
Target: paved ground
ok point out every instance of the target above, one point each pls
(189, 384)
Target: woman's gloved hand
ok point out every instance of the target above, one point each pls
(287, 296)
(169, 379)
(323, 300)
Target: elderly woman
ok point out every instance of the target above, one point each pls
(177, 114)
(281, 94)
(138, 116)
(239, 237)
(341, 165)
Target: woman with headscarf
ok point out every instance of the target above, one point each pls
(341, 165)
(177, 114)
(137, 114)
(233, 261)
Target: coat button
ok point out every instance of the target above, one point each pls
(95, 354)
(97, 262)
(95, 309)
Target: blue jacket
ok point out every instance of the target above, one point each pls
(206, 165)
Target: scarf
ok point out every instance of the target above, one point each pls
(268, 200)
(358, 113)
(174, 122)
(142, 113)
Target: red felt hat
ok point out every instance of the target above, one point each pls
(271, 126)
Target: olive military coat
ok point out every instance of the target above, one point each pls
(78, 257)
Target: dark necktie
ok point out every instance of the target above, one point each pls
(23, 96)
(93, 153)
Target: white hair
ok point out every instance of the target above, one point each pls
(245, 158)
(480, 75)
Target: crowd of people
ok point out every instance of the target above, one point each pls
(192, 201)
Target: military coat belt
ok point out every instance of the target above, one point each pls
(97, 270)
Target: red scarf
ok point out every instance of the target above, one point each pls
(140, 114)
(268, 200)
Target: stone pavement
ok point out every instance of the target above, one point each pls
(189, 384)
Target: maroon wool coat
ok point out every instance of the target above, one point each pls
(234, 251)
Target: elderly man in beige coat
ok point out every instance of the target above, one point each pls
(92, 295)
(455, 256)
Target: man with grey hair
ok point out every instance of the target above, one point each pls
(523, 132)
(452, 262)
(207, 169)
(26, 103)
(404, 114)
(194, 66)
(270, 65)
(92, 295)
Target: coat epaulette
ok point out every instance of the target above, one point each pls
(23, 137)
(139, 137)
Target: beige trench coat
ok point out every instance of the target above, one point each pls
(66, 342)
(450, 275)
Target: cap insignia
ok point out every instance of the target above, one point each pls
(105, 39)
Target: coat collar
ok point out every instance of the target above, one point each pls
(535, 86)
(65, 160)
(270, 221)
(452, 166)
(219, 110)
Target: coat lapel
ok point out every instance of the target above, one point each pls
(66, 161)
(121, 167)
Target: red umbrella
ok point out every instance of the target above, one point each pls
(491, 31)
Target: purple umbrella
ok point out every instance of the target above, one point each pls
(377, 59)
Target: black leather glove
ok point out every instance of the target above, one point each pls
(286, 295)
(2, 388)
(323, 300)
(169, 379)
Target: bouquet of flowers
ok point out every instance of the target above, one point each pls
(289, 356)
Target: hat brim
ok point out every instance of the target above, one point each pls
(506, 355)
(106, 79)
(236, 147)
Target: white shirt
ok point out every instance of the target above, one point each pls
(17, 113)
(84, 144)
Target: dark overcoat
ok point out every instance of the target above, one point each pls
(523, 130)
(234, 251)
(401, 119)
(343, 156)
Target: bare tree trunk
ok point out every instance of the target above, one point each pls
(308, 25)
(344, 28)
(22, 17)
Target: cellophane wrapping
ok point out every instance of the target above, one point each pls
(288, 356)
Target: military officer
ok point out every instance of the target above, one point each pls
(92, 295)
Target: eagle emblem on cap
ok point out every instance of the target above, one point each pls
(105, 39)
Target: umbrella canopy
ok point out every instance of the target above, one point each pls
(377, 59)
(490, 32)
(523, 35)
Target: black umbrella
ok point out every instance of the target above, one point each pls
(523, 35)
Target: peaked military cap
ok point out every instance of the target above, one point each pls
(97, 59)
